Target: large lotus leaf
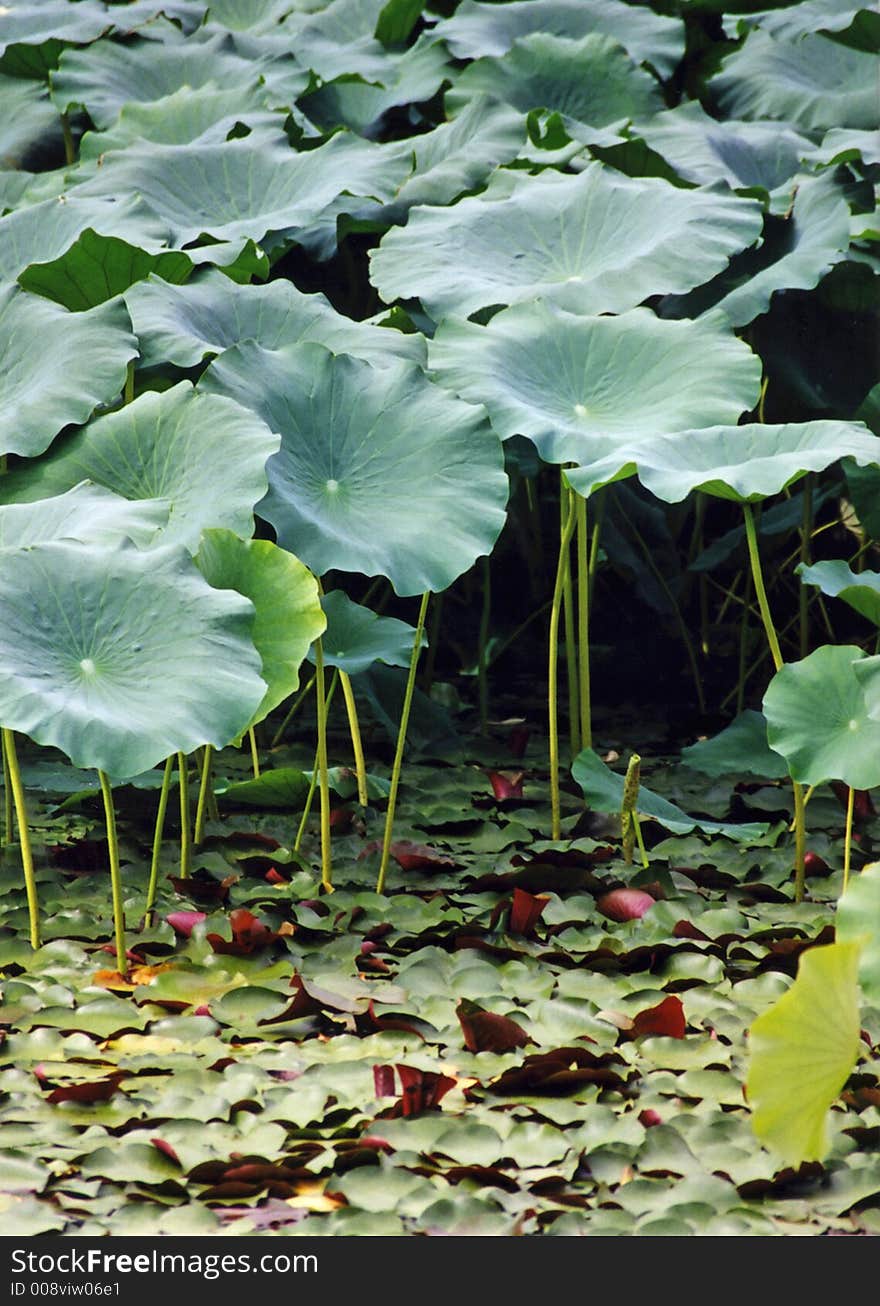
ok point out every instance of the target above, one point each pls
(122, 656)
(109, 75)
(361, 102)
(857, 920)
(203, 453)
(368, 456)
(206, 113)
(57, 367)
(802, 1051)
(796, 254)
(842, 144)
(740, 747)
(863, 483)
(867, 673)
(603, 791)
(32, 35)
(28, 118)
(748, 463)
(594, 242)
(490, 29)
(255, 16)
(754, 156)
(339, 39)
(287, 610)
(805, 18)
(186, 324)
(356, 637)
(87, 512)
(861, 590)
(814, 83)
(44, 231)
(241, 188)
(565, 381)
(96, 268)
(591, 80)
(817, 718)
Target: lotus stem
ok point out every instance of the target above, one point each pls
(643, 853)
(800, 841)
(313, 784)
(8, 811)
(847, 841)
(482, 645)
(803, 596)
(128, 393)
(552, 674)
(323, 780)
(255, 756)
(297, 703)
(69, 149)
(583, 595)
(433, 642)
(204, 790)
(115, 876)
(598, 517)
(185, 840)
(760, 591)
(354, 727)
(566, 505)
(157, 834)
(401, 742)
(24, 835)
(628, 816)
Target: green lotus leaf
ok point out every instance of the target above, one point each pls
(243, 188)
(57, 367)
(567, 381)
(96, 268)
(122, 656)
(804, 19)
(29, 117)
(748, 463)
(109, 75)
(340, 39)
(754, 156)
(588, 81)
(857, 921)
(396, 20)
(206, 113)
(603, 790)
(361, 101)
(861, 590)
(284, 788)
(796, 254)
(802, 1051)
(186, 324)
(477, 29)
(287, 610)
(88, 513)
(813, 83)
(356, 637)
(256, 16)
(367, 456)
(863, 483)
(818, 719)
(33, 35)
(740, 747)
(561, 238)
(202, 453)
(842, 144)
(42, 232)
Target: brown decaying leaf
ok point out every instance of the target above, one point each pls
(667, 1020)
(486, 1032)
(556, 1073)
(249, 935)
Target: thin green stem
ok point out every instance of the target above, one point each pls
(566, 506)
(803, 596)
(157, 834)
(323, 779)
(847, 840)
(552, 674)
(255, 756)
(69, 148)
(297, 703)
(598, 518)
(482, 646)
(433, 642)
(185, 837)
(24, 835)
(583, 639)
(8, 816)
(115, 875)
(313, 783)
(640, 840)
(758, 582)
(204, 790)
(800, 841)
(128, 394)
(401, 743)
(354, 727)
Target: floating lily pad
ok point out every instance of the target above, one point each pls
(45, 385)
(484, 250)
(120, 657)
(202, 453)
(565, 380)
(740, 748)
(366, 453)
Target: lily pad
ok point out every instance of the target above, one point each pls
(120, 657)
(565, 380)
(366, 453)
(740, 748)
(802, 1051)
(606, 243)
(202, 453)
(45, 385)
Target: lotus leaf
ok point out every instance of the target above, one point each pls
(356, 637)
(861, 590)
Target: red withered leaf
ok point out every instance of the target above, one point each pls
(526, 910)
(507, 784)
(485, 1032)
(184, 922)
(666, 1019)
